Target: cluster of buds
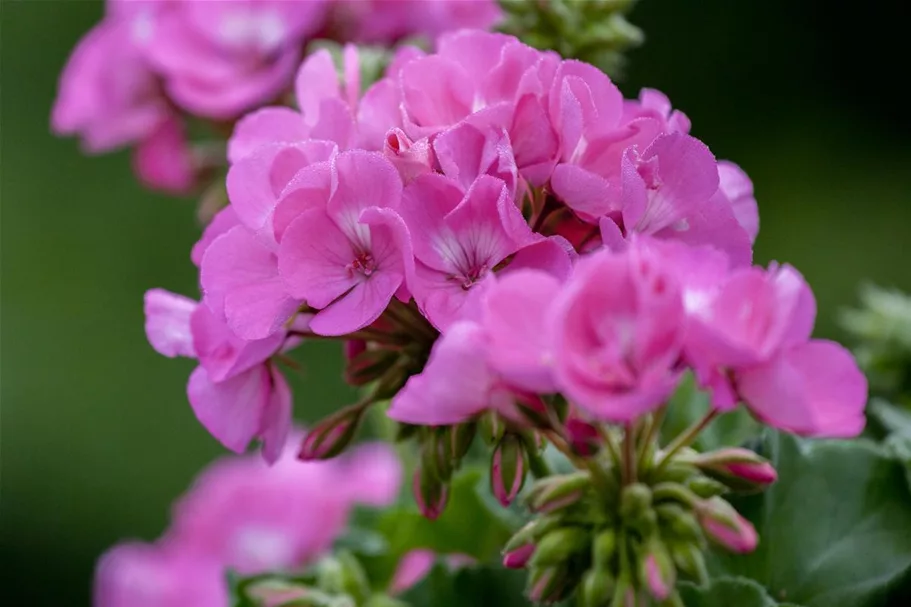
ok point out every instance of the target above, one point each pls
(620, 531)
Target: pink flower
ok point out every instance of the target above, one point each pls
(349, 251)
(135, 574)
(417, 564)
(223, 221)
(655, 105)
(235, 392)
(737, 189)
(668, 193)
(255, 518)
(723, 525)
(618, 328)
(387, 21)
(218, 59)
(108, 94)
(750, 339)
(458, 239)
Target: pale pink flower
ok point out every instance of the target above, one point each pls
(387, 21)
(164, 161)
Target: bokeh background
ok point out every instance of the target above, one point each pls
(97, 437)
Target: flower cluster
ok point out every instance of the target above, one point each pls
(150, 65)
(501, 240)
(245, 517)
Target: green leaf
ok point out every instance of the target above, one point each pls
(479, 585)
(688, 404)
(467, 526)
(835, 530)
(728, 592)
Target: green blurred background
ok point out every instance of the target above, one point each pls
(97, 438)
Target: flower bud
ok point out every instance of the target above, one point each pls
(604, 547)
(331, 435)
(410, 158)
(531, 532)
(557, 492)
(657, 571)
(725, 526)
(517, 558)
(460, 438)
(584, 438)
(624, 592)
(738, 464)
(690, 560)
(548, 584)
(597, 586)
(665, 492)
(559, 545)
(705, 487)
(430, 493)
(677, 472)
(492, 427)
(436, 457)
(507, 469)
(635, 498)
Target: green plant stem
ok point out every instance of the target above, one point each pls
(536, 463)
(629, 455)
(654, 425)
(598, 473)
(685, 439)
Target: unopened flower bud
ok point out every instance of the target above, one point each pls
(332, 435)
(725, 526)
(436, 457)
(667, 492)
(624, 592)
(517, 558)
(604, 547)
(690, 560)
(634, 499)
(492, 427)
(677, 472)
(584, 437)
(559, 545)
(507, 468)
(557, 492)
(410, 158)
(735, 464)
(657, 571)
(531, 532)
(460, 439)
(548, 584)
(679, 522)
(430, 493)
(705, 487)
(597, 586)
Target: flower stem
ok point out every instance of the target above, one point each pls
(652, 428)
(629, 454)
(536, 463)
(685, 438)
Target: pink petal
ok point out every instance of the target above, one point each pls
(375, 473)
(223, 221)
(737, 188)
(815, 389)
(163, 160)
(168, 323)
(265, 126)
(520, 347)
(240, 279)
(221, 352)
(455, 384)
(276, 417)
(377, 113)
(365, 179)
(586, 193)
(359, 307)
(230, 410)
(316, 80)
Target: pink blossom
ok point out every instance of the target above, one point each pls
(387, 21)
(349, 252)
(220, 58)
(458, 239)
(235, 392)
(618, 327)
(223, 221)
(135, 574)
(108, 95)
(417, 564)
(655, 105)
(255, 518)
(735, 187)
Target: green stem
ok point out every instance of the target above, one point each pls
(654, 426)
(536, 463)
(629, 455)
(685, 439)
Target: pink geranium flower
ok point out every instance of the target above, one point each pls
(348, 252)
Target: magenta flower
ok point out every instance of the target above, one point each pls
(618, 327)
(349, 251)
(458, 239)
